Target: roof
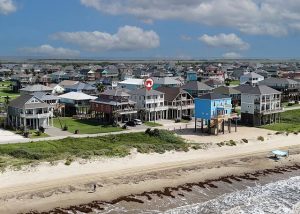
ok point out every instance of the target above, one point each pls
(165, 80)
(226, 90)
(145, 92)
(212, 82)
(243, 88)
(262, 89)
(67, 83)
(81, 86)
(278, 81)
(34, 88)
(77, 96)
(133, 82)
(171, 93)
(21, 101)
(197, 86)
(213, 96)
(116, 92)
(252, 75)
(45, 96)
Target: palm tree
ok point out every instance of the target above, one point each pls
(100, 88)
(142, 114)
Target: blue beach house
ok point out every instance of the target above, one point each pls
(212, 105)
(214, 110)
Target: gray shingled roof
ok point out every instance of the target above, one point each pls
(262, 89)
(145, 92)
(278, 81)
(171, 92)
(116, 92)
(20, 102)
(197, 86)
(213, 96)
(226, 90)
(34, 88)
(253, 75)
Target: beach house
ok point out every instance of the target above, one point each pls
(214, 110)
(260, 105)
(251, 78)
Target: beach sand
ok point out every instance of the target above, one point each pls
(45, 187)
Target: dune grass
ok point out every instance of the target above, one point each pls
(17, 155)
(290, 122)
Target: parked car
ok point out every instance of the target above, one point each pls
(137, 122)
(130, 123)
(186, 117)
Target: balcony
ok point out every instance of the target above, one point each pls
(268, 111)
(126, 111)
(36, 116)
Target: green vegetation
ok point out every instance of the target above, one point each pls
(261, 138)
(5, 90)
(152, 124)
(159, 141)
(289, 105)
(234, 82)
(290, 122)
(87, 126)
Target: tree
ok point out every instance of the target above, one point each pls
(100, 88)
(142, 114)
(227, 81)
(115, 116)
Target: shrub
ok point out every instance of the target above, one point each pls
(38, 133)
(261, 138)
(178, 120)
(245, 140)
(278, 133)
(42, 129)
(65, 128)
(295, 133)
(148, 131)
(290, 104)
(69, 161)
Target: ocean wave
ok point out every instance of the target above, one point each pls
(278, 197)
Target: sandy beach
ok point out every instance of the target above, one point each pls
(45, 187)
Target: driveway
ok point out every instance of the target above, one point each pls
(7, 136)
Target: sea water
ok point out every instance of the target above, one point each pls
(278, 197)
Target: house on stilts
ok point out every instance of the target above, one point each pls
(215, 112)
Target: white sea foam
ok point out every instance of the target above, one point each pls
(279, 197)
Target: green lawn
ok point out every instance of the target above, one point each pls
(159, 141)
(152, 124)
(5, 90)
(290, 122)
(235, 82)
(286, 105)
(85, 126)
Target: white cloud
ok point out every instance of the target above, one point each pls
(7, 6)
(230, 41)
(185, 38)
(128, 38)
(48, 50)
(263, 17)
(232, 55)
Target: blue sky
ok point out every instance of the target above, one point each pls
(150, 28)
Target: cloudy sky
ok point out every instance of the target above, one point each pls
(150, 28)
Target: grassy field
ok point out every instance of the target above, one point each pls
(235, 82)
(286, 105)
(290, 122)
(5, 90)
(152, 124)
(159, 141)
(84, 126)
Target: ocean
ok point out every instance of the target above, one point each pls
(273, 194)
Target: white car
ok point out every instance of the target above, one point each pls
(137, 122)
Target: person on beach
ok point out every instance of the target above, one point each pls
(94, 187)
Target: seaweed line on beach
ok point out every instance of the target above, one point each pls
(170, 191)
